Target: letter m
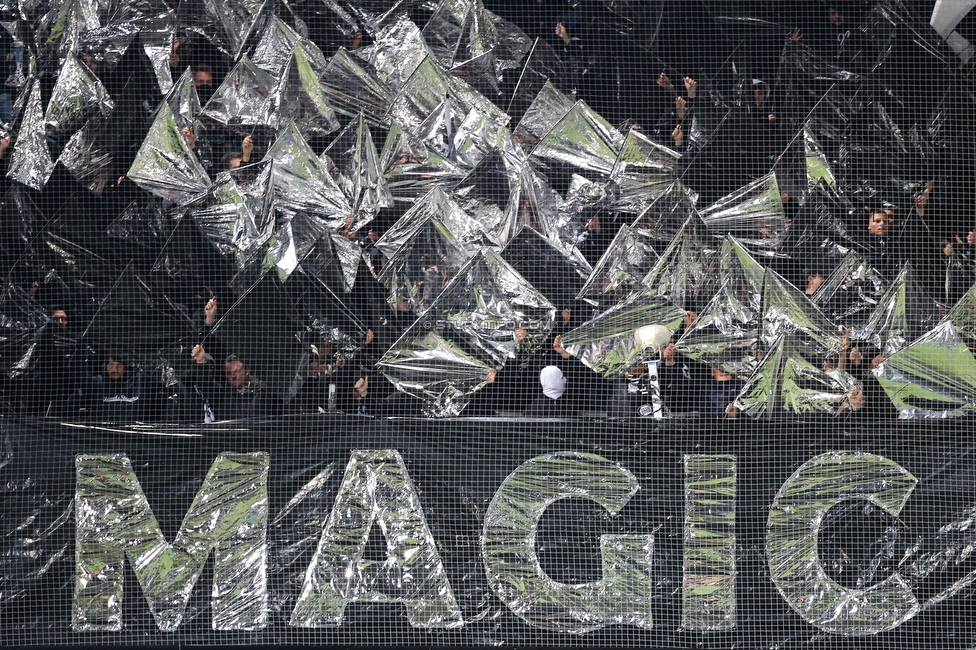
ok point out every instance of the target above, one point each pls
(113, 520)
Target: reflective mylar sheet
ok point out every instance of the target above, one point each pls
(608, 344)
(428, 366)
(709, 544)
(753, 214)
(792, 532)
(933, 377)
(628, 259)
(787, 383)
(166, 164)
(487, 302)
(236, 213)
(377, 490)
(509, 547)
(30, 162)
(581, 139)
(115, 522)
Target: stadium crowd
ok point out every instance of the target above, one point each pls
(803, 223)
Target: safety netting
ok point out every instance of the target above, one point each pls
(476, 271)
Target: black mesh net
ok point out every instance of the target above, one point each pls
(585, 322)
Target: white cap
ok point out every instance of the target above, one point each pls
(553, 382)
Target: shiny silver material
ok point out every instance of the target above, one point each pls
(726, 333)
(361, 172)
(229, 517)
(303, 183)
(236, 213)
(412, 169)
(376, 489)
(708, 600)
(228, 23)
(582, 139)
(607, 344)
(643, 172)
(486, 302)
(77, 96)
(425, 248)
(628, 259)
(165, 164)
(547, 108)
(430, 367)
(787, 310)
(508, 546)
(932, 378)
(682, 266)
(753, 214)
(245, 98)
(787, 383)
(463, 31)
(795, 518)
(31, 163)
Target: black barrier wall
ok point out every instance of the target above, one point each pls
(349, 531)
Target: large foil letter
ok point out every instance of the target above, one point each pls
(791, 543)
(708, 589)
(229, 516)
(376, 488)
(623, 595)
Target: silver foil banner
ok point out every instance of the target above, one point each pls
(795, 519)
(229, 517)
(508, 544)
(376, 489)
(611, 343)
(708, 580)
(934, 377)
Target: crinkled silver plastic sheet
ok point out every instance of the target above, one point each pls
(933, 377)
(509, 547)
(556, 269)
(86, 158)
(607, 344)
(77, 96)
(669, 212)
(236, 213)
(727, 331)
(680, 270)
(794, 523)
(851, 291)
(31, 163)
(229, 516)
(300, 97)
(303, 183)
(491, 194)
(165, 164)
(377, 490)
(628, 259)
(643, 172)
(901, 315)
(423, 101)
(963, 316)
(548, 107)
(787, 310)
(355, 156)
(246, 97)
(709, 571)
(581, 139)
(785, 382)
(461, 30)
(412, 169)
(351, 86)
(397, 51)
(428, 366)
(753, 214)
(228, 23)
(487, 301)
